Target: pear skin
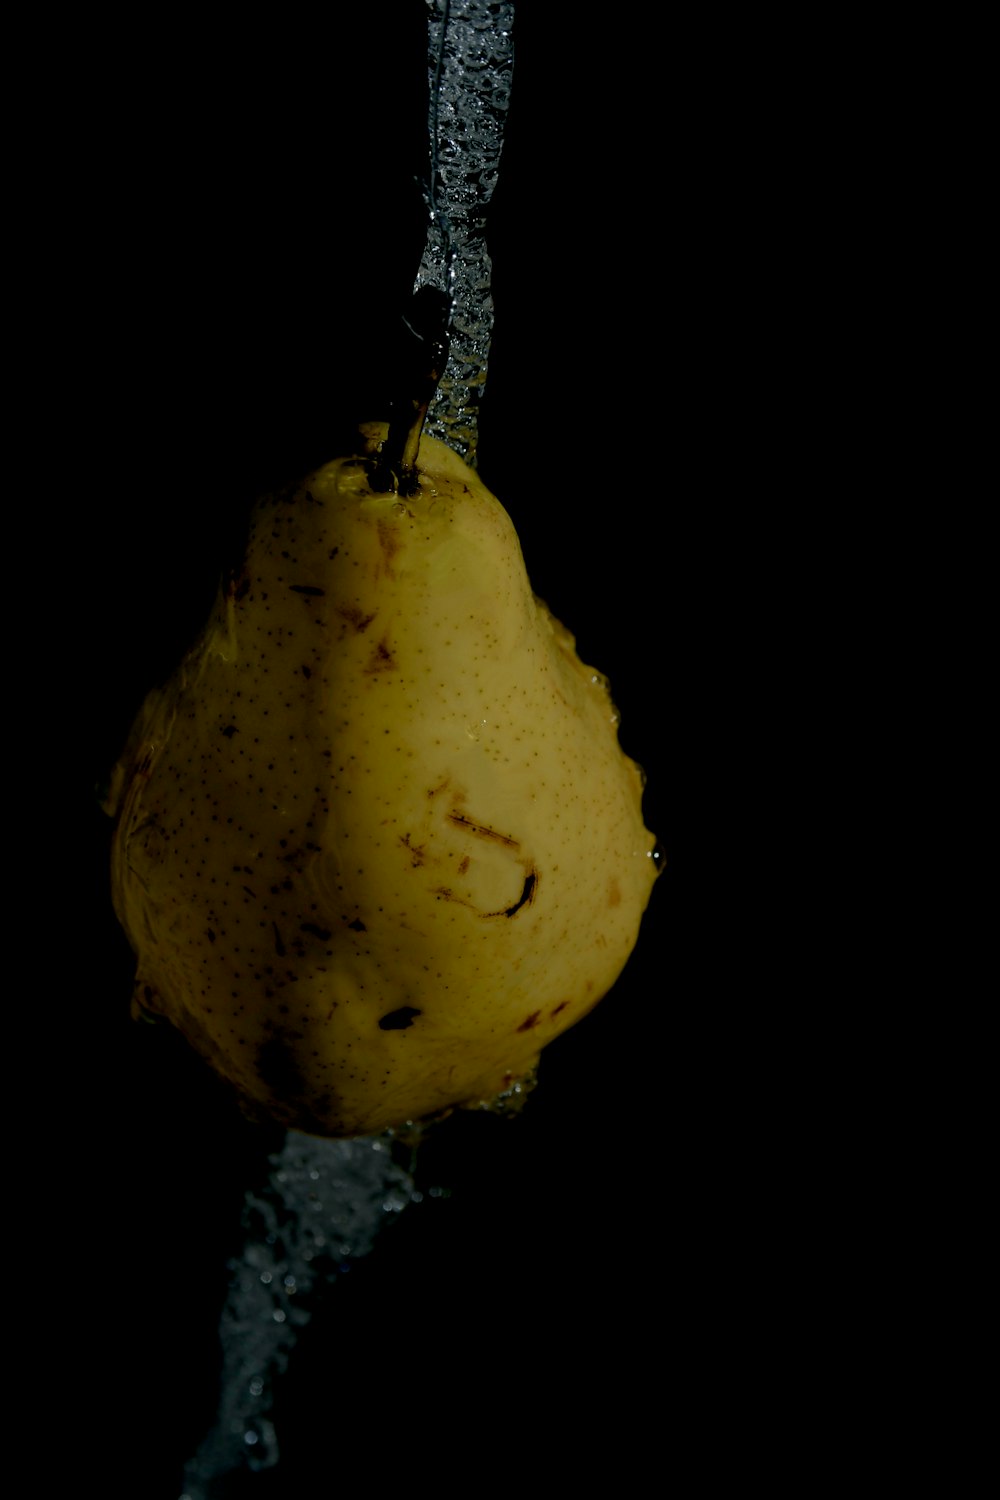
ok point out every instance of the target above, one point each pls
(377, 842)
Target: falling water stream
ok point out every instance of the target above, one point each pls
(325, 1202)
(320, 1210)
(471, 58)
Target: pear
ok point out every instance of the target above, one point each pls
(376, 841)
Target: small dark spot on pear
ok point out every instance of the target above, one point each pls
(531, 1022)
(322, 933)
(398, 1020)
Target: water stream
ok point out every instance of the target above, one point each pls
(325, 1203)
(470, 62)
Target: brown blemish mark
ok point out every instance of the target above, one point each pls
(614, 894)
(357, 925)
(464, 865)
(434, 790)
(381, 659)
(526, 897)
(482, 829)
(308, 589)
(561, 1006)
(356, 619)
(416, 851)
(531, 1022)
(389, 542)
(279, 946)
(447, 894)
(229, 731)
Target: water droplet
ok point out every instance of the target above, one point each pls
(250, 1438)
(278, 1315)
(266, 1277)
(290, 1283)
(256, 1386)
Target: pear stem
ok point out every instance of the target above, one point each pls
(422, 363)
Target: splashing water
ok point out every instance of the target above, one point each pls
(321, 1209)
(325, 1202)
(471, 54)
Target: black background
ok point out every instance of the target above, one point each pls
(245, 226)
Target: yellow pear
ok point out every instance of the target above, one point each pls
(377, 842)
